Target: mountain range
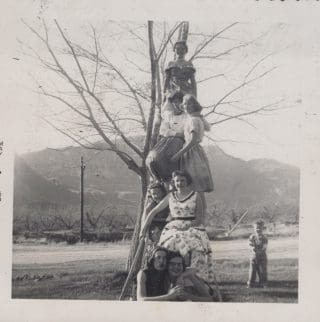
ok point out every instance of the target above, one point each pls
(53, 177)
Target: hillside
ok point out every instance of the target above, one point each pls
(242, 183)
(104, 172)
(30, 187)
(54, 175)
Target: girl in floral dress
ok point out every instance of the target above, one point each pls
(185, 232)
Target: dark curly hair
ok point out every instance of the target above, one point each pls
(172, 254)
(156, 185)
(182, 173)
(150, 260)
(196, 106)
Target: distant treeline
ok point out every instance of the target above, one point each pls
(109, 223)
(102, 222)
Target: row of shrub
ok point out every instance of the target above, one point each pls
(72, 237)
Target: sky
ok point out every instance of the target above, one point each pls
(278, 136)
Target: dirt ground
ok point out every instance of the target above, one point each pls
(61, 253)
(89, 271)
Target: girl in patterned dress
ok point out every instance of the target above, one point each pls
(185, 232)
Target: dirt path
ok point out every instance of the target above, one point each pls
(237, 249)
(55, 253)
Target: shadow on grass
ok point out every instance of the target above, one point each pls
(277, 291)
(271, 284)
(102, 286)
(282, 284)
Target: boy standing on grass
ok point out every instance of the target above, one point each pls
(258, 261)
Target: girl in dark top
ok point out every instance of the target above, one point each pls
(152, 282)
(180, 73)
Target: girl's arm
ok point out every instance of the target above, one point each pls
(141, 286)
(186, 148)
(147, 208)
(142, 292)
(202, 289)
(161, 206)
(206, 124)
(193, 85)
(166, 83)
(167, 110)
(252, 242)
(199, 211)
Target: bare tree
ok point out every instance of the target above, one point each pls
(117, 97)
(66, 217)
(94, 219)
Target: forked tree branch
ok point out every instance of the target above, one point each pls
(202, 46)
(255, 111)
(232, 91)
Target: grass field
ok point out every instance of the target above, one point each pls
(91, 271)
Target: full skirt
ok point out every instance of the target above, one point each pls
(179, 236)
(158, 160)
(196, 163)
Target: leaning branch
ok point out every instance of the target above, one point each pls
(73, 55)
(208, 41)
(60, 99)
(106, 62)
(164, 45)
(152, 54)
(245, 83)
(96, 125)
(126, 156)
(256, 111)
(129, 161)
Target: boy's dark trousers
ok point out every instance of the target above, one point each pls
(258, 265)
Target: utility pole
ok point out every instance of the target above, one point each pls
(81, 199)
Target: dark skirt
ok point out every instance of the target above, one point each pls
(158, 159)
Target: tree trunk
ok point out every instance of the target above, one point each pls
(157, 117)
(147, 146)
(136, 232)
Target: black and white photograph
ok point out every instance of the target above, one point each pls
(157, 159)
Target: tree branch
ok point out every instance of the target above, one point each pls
(208, 41)
(164, 45)
(108, 63)
(97, 60)
(245, 83)
(73, 55)
(123, 155)
(152, 55)
(256, 111)
(80, 92)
